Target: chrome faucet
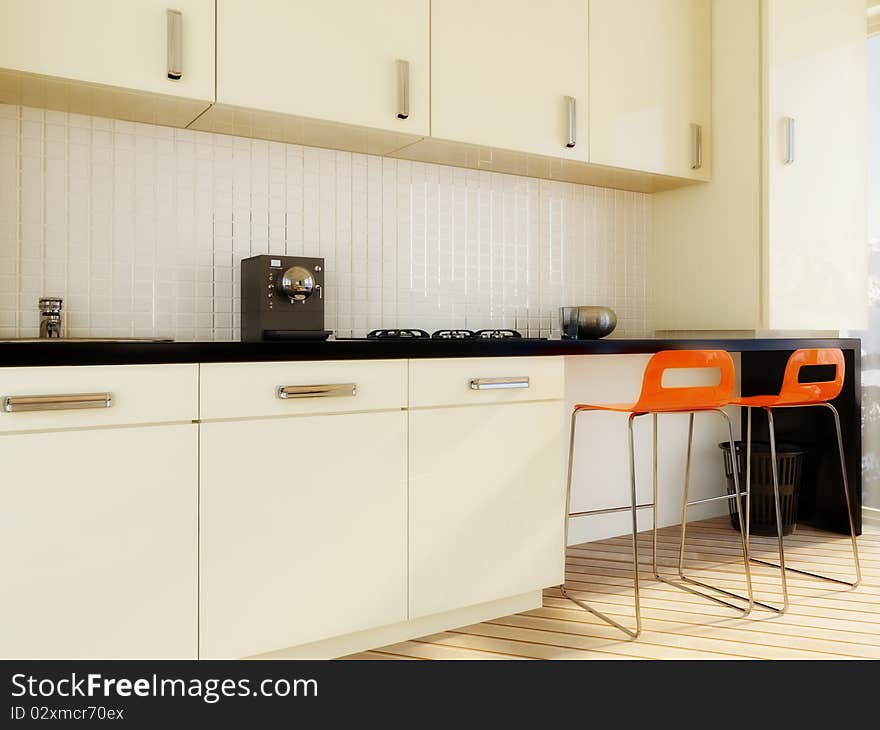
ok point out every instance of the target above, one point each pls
(50, 317)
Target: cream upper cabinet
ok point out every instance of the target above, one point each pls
(650, 85)
(777, 239)
(335, 60)
(119, 43)
(507, 74)
(816, 247)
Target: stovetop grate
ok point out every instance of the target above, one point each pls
(399, 334)
(445, 334)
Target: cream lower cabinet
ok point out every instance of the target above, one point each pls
(486, 496)
(303, 517)
(487, 485)
(98, 519)
(303, 530)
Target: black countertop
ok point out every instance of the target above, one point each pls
(18, 354)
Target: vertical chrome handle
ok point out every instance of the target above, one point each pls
(572, 122)
(175, 44)
(402, 89)
(789, 151)
(697, 146)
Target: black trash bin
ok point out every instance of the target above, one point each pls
(790, 465)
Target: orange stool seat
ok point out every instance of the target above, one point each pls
(655, 398)
(795, 393)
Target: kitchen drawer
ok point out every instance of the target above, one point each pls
(477, 381)
(250, 390)
(137, 394)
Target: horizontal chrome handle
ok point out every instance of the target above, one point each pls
(499, 383)
(336, 390)
(78, 401)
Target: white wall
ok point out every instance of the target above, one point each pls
(141, 229)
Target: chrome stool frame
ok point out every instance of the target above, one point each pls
(633, 509)
(852, 529)
(686, 581)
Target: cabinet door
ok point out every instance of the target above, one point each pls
(334, 60)
(650, 81)
(98, 543)
(816, 248)
(303, 530)
(501, 71)
(487, 500)
(111, 42)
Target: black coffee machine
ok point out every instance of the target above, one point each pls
(282, 298)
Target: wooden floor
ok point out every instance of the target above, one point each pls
(824, 621)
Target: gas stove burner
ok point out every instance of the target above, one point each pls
(494, 334)
(464, 334)
(454, 335)
(403, 334)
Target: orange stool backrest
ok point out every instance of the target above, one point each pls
(655, 397)
(794, 392)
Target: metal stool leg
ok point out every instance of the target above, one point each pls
(748, 474)
(654, 497)
(849, 511)
(749, 598)
(633, 508)
(777, 506)
(852, 528)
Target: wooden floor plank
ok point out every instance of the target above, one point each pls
(732, 630)
(832, 567)
(376, 655)
(715, 642)
(825, 621)
(439, 650)
(606, 644)
(715, 542)
(507, 648)
(761, 575)
(801, 597)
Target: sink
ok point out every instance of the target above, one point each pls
(82, 340)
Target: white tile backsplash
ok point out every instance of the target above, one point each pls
(141, 229)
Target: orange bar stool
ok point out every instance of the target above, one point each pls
(654, 399)
(795, 394)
